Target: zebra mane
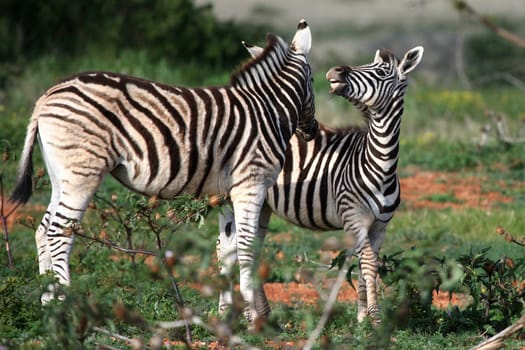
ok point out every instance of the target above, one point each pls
(275, 52)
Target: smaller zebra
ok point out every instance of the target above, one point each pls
(345, 178)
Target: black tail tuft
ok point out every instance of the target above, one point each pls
(24, 185)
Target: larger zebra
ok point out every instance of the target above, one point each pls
(345, 178)
(163, 141)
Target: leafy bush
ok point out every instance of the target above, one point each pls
(494, 285)
(410, 279)
(176, 30)
(20, 318)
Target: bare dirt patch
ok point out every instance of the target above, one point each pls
(294, 293)
(438, 190)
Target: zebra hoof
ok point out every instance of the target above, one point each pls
(50, 295)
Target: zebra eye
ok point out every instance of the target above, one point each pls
(381, 72)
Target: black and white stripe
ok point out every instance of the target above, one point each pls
(346, 178)
(163, 140)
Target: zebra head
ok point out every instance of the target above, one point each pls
(297, 55)
(371, 86)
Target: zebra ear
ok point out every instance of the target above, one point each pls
(253, 50)
(411, 60)
(302, 41)
(377, 57)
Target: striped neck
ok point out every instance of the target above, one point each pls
(382, 140)
(282, 78)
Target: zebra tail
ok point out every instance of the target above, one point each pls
(24, 181)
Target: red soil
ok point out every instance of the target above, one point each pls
(454, 191)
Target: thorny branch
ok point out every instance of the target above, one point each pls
(77, 230)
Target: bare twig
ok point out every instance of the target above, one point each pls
(500, 76)
(130, 341)
(120, 220)
(178, 298)
(496, 342)
(463, 6)
(4, 217)
(341, 277)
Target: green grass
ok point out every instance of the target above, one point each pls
(440, 133)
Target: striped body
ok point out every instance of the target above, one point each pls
(317, 174)
(164, 141)
(156, 139)
(346, 178)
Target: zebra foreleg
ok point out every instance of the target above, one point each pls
(362, 303)
(247, 209)
(367, 288)
(227, 257)
(261, 302)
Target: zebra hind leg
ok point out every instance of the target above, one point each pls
(44, 254)
(68, 208)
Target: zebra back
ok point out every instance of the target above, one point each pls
(165, 140)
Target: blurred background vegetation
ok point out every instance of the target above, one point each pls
(177, 31)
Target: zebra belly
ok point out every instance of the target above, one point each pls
(317, 212)
(167, 185)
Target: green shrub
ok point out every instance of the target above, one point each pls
(21, 316)
(176, 30)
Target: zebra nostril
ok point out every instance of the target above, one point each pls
(339, 69)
